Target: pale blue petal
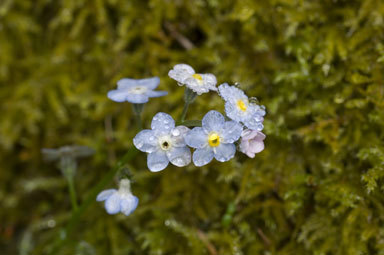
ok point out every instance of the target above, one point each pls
(146, 141)
(233, 112)
(179, 156)
(163, 123)
(213, 121)
(196, 138)
(231, 93)
(150, 83)
(112, 205)
(126, 83)
(105, 194)
(118, 95)
(128, 205)
(181, 72)
(224, 152)
(224, 91)
(196, 85)
(137, 98)
(209, 81)
(157, 161)
(231, 132)
(178, 136)
(202, 156)
(153, 93)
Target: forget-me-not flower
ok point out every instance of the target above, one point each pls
(136, 91)
(200, 83)
(120, 200)
(251, 142)
(215, 138)
(164, 143)
(238, 107)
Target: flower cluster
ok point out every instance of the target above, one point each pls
(215, 136)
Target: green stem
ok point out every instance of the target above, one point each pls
(184, 113)
(139, 122)
(189, 97)
(72, 193)
(189, 123)
(64, 235)
(137, 109)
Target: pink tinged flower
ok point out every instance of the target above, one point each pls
(252, 142)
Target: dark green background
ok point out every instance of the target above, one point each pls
(316, 65)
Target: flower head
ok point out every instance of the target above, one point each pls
(251, 142)
(136, 91)
(238, 107)
(164, 143)
(215, 139)
(199, 83)
(120, 200)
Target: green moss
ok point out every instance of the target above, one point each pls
(316, 65)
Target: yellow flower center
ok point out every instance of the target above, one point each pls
(197, 76)
(242, 106)
(214, 140)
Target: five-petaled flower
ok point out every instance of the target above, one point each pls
(215, 138)
(199, 83)
(238, 107)
(252, 142)
(120, 200)
(164, 143)
(136, 91)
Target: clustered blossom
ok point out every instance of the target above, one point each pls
(199, 83)
(167, 143)
(136, 91)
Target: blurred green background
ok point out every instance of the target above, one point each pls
(317, 65)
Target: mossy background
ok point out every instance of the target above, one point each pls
(316, 65)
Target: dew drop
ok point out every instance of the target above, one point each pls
(259, 127)
(175, 132)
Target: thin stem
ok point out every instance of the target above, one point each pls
(189, 123)
(138, 122)
(72, 193)
(137, 109)
(189, 97)
(65, 234)
(185, 109)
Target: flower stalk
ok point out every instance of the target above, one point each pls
(189, 97)
(137, 110)
(68, 168)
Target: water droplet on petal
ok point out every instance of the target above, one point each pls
(139, 145)
(175, 132)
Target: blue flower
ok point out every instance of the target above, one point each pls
(199, 83)
(164, 143)
(120, 200)
(238, 107)
(136, 91)
(215, 138)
